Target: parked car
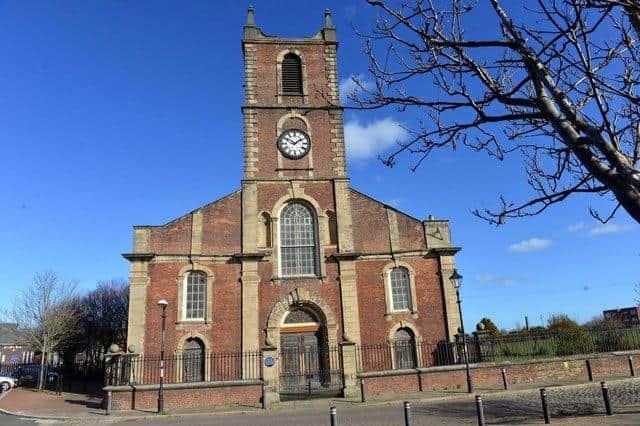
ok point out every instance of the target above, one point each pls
(31, 372)
(6, 383)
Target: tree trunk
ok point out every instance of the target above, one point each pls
(42, 364)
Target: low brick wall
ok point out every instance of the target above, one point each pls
(186, 395)
(488, 375)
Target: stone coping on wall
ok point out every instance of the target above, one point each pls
(189, 385)
(455, 367)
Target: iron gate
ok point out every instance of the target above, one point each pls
(310, 371)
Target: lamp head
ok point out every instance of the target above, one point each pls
(456, 279)
(163, 303)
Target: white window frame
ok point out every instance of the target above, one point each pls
(413, 307)
(185, 287)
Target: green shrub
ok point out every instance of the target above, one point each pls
(490, 326)
(569, 336)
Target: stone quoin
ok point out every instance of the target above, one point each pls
(295, 261)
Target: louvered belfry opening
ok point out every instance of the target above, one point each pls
(291, 74)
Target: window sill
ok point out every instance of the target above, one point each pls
(414, 313)
(192, 322)
(300, 277)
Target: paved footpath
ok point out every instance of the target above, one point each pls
(570, 405)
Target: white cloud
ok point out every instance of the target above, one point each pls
(509, 281)
(484, 278)
(349, 86)
(526, 246)
(504, 281)
(575, 227)
(368, 140)
(608, 228)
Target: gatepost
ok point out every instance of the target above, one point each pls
(270, 376)
(350, 371)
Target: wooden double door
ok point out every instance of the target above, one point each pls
(308, 366)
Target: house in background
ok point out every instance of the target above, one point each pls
(12, 350)
(625, 316)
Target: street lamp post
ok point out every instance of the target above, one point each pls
(163, 304)
(456, 280)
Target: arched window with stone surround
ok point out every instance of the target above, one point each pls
(400, 289)
(193, 361)
(298, 241)
(404, 349)
(195, 296)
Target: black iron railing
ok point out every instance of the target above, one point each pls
(483, 347)
(212, 367)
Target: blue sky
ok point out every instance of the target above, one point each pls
(99, 101)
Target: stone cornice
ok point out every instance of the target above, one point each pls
(267, 39)
(249, 256)
(446, 251)
(296, 179)
(345, 255)
(292, 106)
(144, 257)
(440, 251)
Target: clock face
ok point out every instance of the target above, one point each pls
(294, 144)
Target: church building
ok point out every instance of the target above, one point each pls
(295, 265)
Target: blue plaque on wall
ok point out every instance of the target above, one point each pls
(269, 361)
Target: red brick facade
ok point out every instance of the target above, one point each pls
(235, 240)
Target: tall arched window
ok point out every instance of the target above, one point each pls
(193, 361)
(400, 289)
(291, 74)
(404, 349)
(195, 296)
(298, 241)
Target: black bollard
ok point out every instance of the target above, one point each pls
(407, 414)
(505, 383)
(545, 406)
(632, 369)
(333, 415)
(607, 400)
(479, 410)
(589, 371)
(264, 399)
(363, 395)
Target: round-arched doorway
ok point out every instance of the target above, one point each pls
(308, 366)
(193, 360)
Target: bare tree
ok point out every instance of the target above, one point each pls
(105, 313)
(556, 87)
(45, 316)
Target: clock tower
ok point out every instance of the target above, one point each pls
(294, 150)
(291, 88)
